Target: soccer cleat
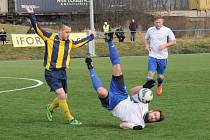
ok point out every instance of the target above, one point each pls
(149, 84)
(159, 89)
(110, 36)
(49, 113)
(75, 122)
(89, 62)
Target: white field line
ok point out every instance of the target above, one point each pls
(39, 83)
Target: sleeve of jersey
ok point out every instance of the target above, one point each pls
(147, 35)
(171, 35)
(83, 41)
(42, 33)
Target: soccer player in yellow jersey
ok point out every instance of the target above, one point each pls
(56, 59)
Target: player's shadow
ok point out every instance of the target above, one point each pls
(98, 125)
(94, 125)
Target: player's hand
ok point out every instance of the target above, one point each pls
(94, 33)
(29, 8)
(147, 48)
(97, 35)
(161, 47)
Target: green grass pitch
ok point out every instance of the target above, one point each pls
(185, 101)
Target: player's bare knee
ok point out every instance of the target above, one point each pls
(102, 92)
(62, 96)
(61, 93)
(116, 70)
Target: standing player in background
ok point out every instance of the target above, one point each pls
(56, 59)
(157, 41)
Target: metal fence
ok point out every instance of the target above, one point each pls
(140, 34)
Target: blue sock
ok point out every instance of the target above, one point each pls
(114, 57)
(96, 82)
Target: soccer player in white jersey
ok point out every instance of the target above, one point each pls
(157, 41)
(133, 114)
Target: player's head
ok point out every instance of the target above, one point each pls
(154, 116)
(64, 31)
(158, 21)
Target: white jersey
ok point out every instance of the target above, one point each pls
(159, 37)
(130, 112)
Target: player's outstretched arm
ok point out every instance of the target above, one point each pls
(135, 90)
(83, 41)
(42, 33)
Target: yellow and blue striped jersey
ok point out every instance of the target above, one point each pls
(57, 52)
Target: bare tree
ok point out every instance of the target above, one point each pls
(175, 2)
(163, 4)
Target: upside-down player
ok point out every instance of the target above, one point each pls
(133, 115)
(56, 59)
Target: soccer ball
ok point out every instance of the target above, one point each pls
(145, 95)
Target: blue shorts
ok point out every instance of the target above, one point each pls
(56, 79)
(115, 95)
(157, 65)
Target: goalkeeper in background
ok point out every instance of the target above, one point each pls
(56, 59)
